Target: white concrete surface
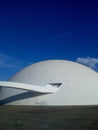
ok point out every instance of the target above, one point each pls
(79, 84)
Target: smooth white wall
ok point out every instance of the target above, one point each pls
(79, 83)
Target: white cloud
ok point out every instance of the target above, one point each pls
(88, 61)
(10, 62)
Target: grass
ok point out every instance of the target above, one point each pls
(48, 118)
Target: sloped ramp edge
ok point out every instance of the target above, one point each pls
(29, 87)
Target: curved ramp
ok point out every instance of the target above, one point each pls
(40, 89)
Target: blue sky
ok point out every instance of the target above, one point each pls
(32, 31)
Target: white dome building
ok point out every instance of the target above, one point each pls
(51, 82)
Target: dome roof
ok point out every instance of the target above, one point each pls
(76, 84)
(52, 71)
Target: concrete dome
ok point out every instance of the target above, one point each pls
(78, 83)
